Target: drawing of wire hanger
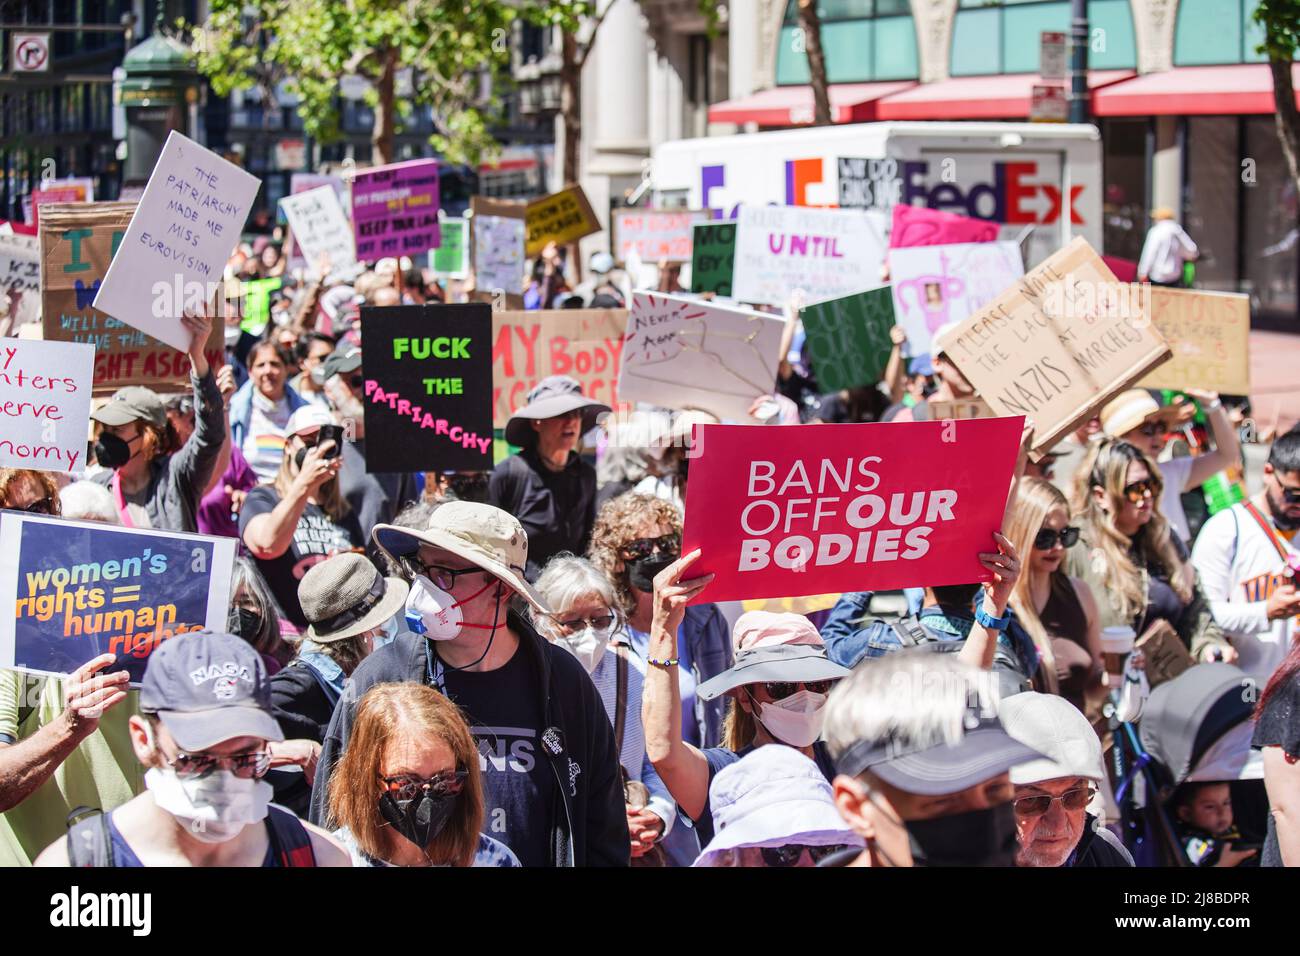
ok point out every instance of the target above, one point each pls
(683, 339)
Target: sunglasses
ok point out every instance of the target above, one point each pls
(1291, 495)
(602, 622)
(1046, 538)
(42, 506)
(1138, 490)
(780, 690)
(408, 786)
(1075, 799)
(644, 547)
(249, 766)
(789, 854)
(1151, 430)
(357, 381)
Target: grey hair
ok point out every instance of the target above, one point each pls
(415, 516)
(88, 501)
(248, 579)
(626, 454)
(568, 578)
(916, 698)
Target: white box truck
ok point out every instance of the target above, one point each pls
(1042, 177)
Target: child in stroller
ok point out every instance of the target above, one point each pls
(1205, 827)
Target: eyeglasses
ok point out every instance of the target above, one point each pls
(644, 547)
(1046, 538)
(789, 854)
(780, 690)
(1138, 490)
(407, 786)
(42, 506)
(445, 578)
(1075, 799)
(248, 766)
(602, 622)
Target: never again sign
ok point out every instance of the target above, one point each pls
(808, 509)
(428, 387)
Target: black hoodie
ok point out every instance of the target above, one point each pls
(589, 825)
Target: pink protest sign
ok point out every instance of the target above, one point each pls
(919, 226)
(810, 509)
(395, 210)
(47, 197)
(655, 234)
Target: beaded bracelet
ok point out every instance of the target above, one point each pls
(671, 662)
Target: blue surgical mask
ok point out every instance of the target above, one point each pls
(391, 629)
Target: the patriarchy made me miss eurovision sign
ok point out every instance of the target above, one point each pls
(78, 589)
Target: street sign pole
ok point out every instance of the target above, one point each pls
(1079, 61)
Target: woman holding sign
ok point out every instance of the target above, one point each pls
(156, 481)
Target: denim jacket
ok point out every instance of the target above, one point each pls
(327, 671)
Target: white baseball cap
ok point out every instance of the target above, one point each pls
(1054, 727)
(308, 418)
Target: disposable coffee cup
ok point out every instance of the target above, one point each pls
(1117, 644)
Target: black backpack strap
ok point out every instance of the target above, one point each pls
(620, 698)
(290, 840)
(910, 633)
(331, 695)
(90, 842)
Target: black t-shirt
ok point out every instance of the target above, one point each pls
(315, 539)
(503, 708)
(1278, 726)
(556, 508)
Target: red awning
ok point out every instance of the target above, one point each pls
(1006, 96)
(1198, 90)
(793, 105)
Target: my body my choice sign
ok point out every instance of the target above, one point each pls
(806, 509)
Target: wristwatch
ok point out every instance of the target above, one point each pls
(984, 619)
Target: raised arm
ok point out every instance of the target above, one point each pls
(1227, 443)
(1004, 565)
(269, 535)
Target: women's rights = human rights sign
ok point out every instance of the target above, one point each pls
(808, 509)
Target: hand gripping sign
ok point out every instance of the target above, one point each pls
(808, 509)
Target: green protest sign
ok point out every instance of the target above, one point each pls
(257, 303)
(450, 258)
(848, 338)
(713, 252)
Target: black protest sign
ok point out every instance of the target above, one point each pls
(713, 256)
(428, 387)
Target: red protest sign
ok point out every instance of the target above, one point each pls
(918, 226)
(806, 509)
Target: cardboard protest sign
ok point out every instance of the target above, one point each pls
(797, 253)
(20, 278)
(807, 509)
(78, 241)
(175, 249)
(935, 285)
(960, 409)
(83, 588)
(685, 353)
(44, 404)
(50, 195)
(451, 259)
(321, 230)
(713, 256)
(1058, 344)
(395, 209)
(428, 387)
(499, 233)
(585, 344)
(919, 226)
(655, 234)
(1209, 336)
(848, 338)
(560, 218)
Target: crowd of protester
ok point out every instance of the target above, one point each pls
(520, 668)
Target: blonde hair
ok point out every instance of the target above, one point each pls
(1124, 581)
(739, 727)
(329, 495)
(10, 477)
(385, 713)
(1035, 498)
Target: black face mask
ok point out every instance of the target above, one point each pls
(419, 820)
(975, 838)
(641, 572)
(111, 452)
(247, 624)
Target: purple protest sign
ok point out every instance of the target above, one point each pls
(395, 210)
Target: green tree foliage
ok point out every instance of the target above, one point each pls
(1281, 22)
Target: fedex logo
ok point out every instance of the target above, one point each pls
(1010, 198)
(799, 174)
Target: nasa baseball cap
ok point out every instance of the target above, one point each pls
(208, 687)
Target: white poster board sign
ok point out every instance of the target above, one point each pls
(685, 353)
(45, 404)
(499, 254)
(796, 253)
(320, 228)
(20, 278)
(174, 252)
(935, 285)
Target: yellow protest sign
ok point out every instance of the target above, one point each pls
(1209, 335)
(561, 218)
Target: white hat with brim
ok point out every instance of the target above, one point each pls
(1057, 729)
(486, 537)
(1127, 411)
(552, 397)
(773, 796)
(792, 663)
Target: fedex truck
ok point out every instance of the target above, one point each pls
(1042, 181)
